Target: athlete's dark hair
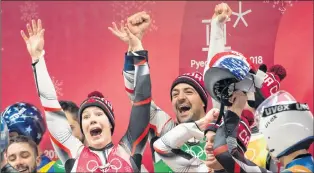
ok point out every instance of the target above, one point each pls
(24, 139)
(71, 107)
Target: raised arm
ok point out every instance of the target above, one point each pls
(160, 122)
(66, 145)
(135, 138)
(224, 148)
(225, 144)
(217, 39)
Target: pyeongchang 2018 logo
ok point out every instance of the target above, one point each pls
(258, 60)
(207, 22)
(198, 64)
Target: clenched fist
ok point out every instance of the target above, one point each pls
(138, 23)
(209, 117)
(223, 12)
(133, 30)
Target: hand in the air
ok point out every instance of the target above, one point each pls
(223, 12)
(238, 100)
(127, 36)
(119, 32)
(135, 43)
(138, 23)
(35, 41)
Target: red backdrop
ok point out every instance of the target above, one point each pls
(82, 55)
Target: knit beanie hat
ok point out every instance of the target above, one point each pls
(271, 83)
(97, 99)
(194, 79)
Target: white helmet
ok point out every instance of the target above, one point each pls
(286, 124)
(230, 71)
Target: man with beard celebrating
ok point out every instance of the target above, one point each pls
(22, 154)
(25, 119)
(188, 95)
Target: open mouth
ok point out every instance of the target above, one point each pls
(96, 131)
(22, 170)
(184, 108)
(209, 150)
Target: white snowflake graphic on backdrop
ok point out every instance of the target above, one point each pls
(241, 15)
(57, 85)
(123, 9)
(281, 5)
(28, 10)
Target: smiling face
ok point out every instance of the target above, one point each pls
(22, 157)
(211, 161)
(187, 103)
(96, 127)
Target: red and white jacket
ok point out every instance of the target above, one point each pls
(126, 156)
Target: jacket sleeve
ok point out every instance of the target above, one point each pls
(216, 45)
(160, 122)
(216, 42)
(135, 138)
(225, 147)
(168, 148)
(66, 145)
